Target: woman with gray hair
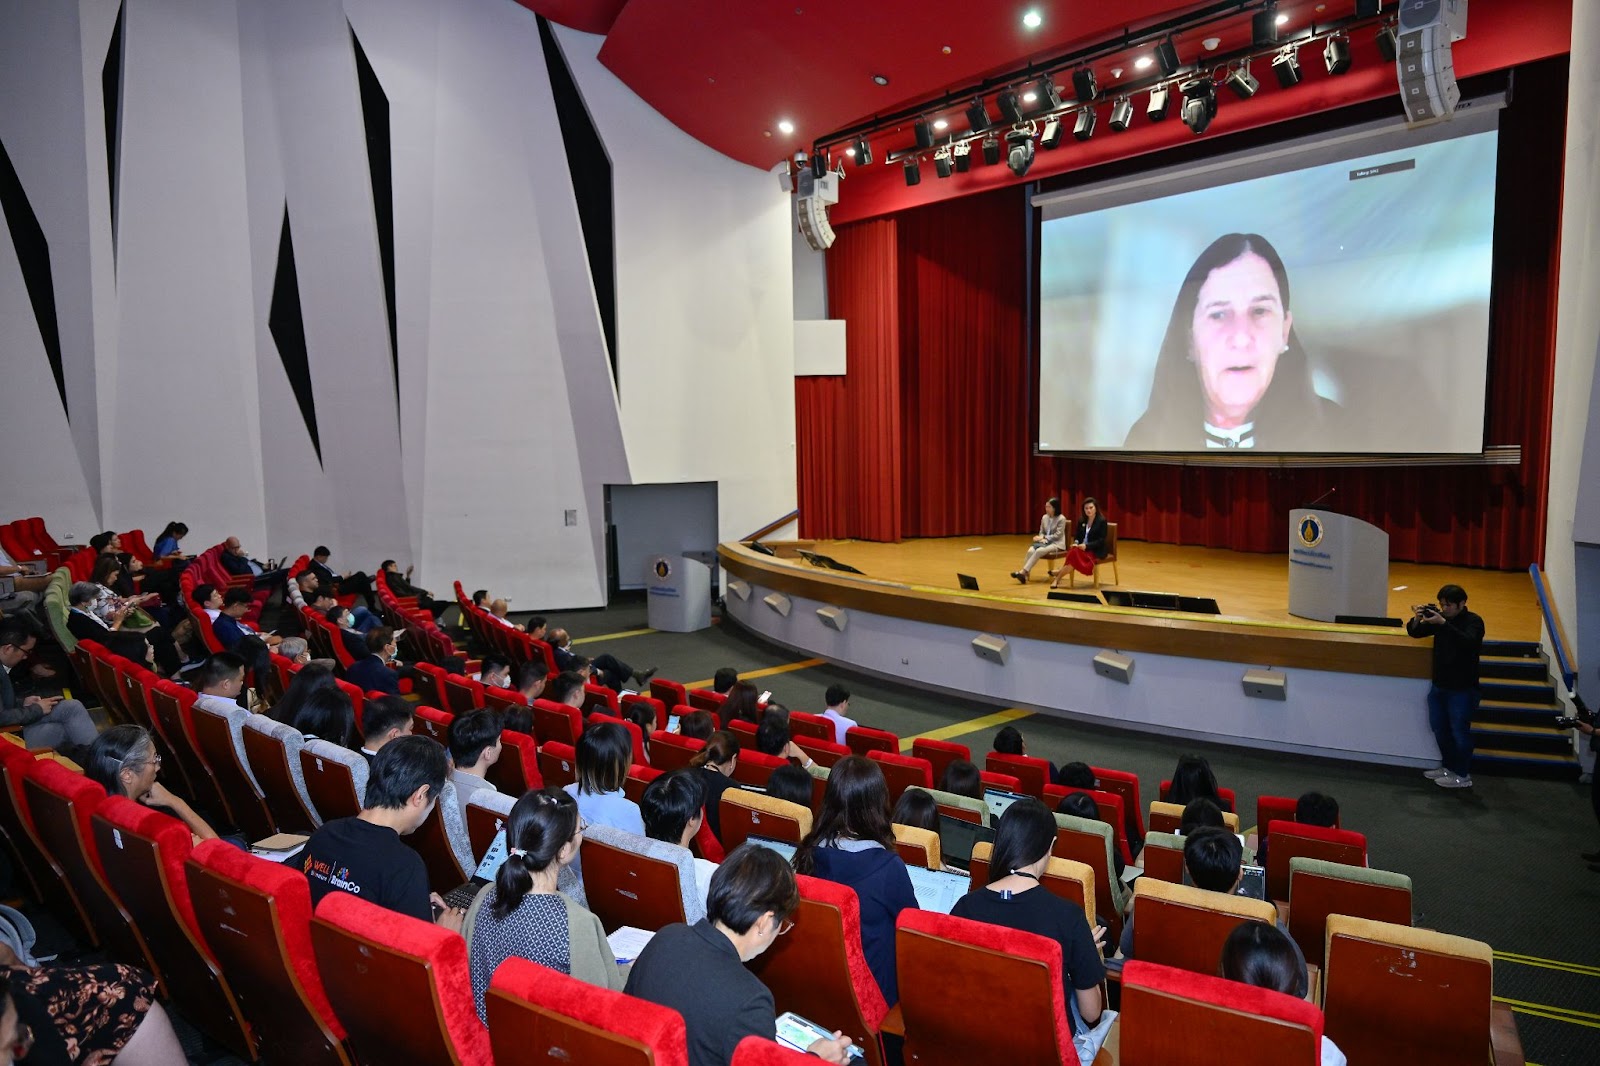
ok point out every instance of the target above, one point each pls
(123, 760)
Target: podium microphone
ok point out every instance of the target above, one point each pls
(1324, 496)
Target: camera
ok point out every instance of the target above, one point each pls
(1566, 723)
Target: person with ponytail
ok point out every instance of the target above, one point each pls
(716, 763)
(1014, 898)
(522, 915)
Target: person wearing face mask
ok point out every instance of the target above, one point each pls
(376, 673)
(699, 970)
(354, 642)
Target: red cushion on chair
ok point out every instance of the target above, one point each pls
(86, 797)
(1347, 837)
(173, 844)
(868, 994)
(862, 739)
(706, 842)
(909, 762)
(445, 951)
(291, 894)
(1247, 999)
(759, 1051)
(660, 1028)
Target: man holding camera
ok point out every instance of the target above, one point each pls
(1453, 698)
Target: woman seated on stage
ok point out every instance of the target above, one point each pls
(1051, 541)
(1088, 542)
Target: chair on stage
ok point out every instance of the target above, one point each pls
(1109, 557)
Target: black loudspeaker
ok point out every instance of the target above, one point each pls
(1366, 620)
(1075, 597)
(1366, 9)
(1162, 601)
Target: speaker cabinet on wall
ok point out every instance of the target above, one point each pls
(778, 602)
(992, 648)
(740, 589)
(1266, 685)
(1114, 666)
(833, 617)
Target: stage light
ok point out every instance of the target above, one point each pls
(1032, 20)
(1286, 66)
(785, 127)
(1049, 96)
(991, 150)
(977, 115)
(1199, 103)
(819, 164)
(1388, 43)
(963, 157)
(924, 133)
(1160, 103)
(863, 153)
(1264, 25)
(1121, 114)
(1083, 129)
(1009, 107)
(1167, 56)
(1051, 137)
(1337, 54)
(1142, 63)
(1243, 83)
(1084, 87)
(913, 169)
(940, 124)
(941, 163)
(1019, 151)
(1366, 9)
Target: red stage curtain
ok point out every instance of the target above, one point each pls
(928, 434)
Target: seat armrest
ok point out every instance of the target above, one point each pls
(1505, 1044)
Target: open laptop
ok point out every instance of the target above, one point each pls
(937, 890)
(782, 847)
(999, 800)
(957, 838)
(968, 582)
(497, 854)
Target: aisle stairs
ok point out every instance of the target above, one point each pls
(1514, 731)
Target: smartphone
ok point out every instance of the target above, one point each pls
(765, 696)
(1252, 882)
(800, 1033)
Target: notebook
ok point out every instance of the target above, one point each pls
(782, 847)
(957, 838)
(937, 890)
(998, 800)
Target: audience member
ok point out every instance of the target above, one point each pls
(523, 915)
(697, 725)
(384, 719)
(917, 809)
(364, 855)
(84, 624)
(740, 706)
(791, 783)
(308, 679)
(1312, 808)
(643, 716)
(46, 721)
(1260, 955)
(374, 673)
(852, 843)
(614, 673)
(838, 698)
(528, 679)
(123, 760)
(567, 688)
(723, 679)
(673, 808)
(716, 763)
(220, 682)
(536, 626)
(494, 672)
(474, 747)
(497, 611)
(1082, 805)
(166, 545)
(752, 895)
(296, 650)
(400, 584)
(1009, 741)
(1192, 779)
(772, 737)
(605, 751)
(90, 1013)
(327, 714)
(1200, 814)
(350, 583)
(355, 644)
(1078, 775)
(1013, 898)
(242, 638)
(236, 561)
(209, 599)
(962, 778)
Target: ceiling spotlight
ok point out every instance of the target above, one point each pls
(991, 150)
(1121, 114)
(1084, 87)
(963, 156)
(1029, 97)
(1282, 20)
(913, 168)
(940, 124)
(1337, 54)
(1007, 102)
(1264, 25)
(1388, 43)
(977, 115)
(941, 163)
(1051, 137)
(1160, 103)
(863, 153)
(1211, 44)
(1050, 94)
(1083, 129)
(785, 126)
(1019, 151)
(1199, 103)
(1243, 83)
(1167, 56)
(1142, 63)
(924, 133)
(1033, 20)
(880, 79)
(1286, 66)
(851, 152)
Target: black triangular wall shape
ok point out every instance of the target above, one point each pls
(590, 168)
(375, 117)
(288, 331)
(33, 256)
(111, 98)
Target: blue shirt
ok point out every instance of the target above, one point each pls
(608, 808)
(165, 546)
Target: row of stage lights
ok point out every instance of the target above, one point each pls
(1044, 125)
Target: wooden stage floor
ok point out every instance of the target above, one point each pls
(1244, 584)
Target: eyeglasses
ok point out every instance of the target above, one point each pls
(784, 927)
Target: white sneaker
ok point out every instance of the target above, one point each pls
(1436, 773)
(1450, 780)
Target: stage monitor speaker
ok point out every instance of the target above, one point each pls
(1424, 65)
(1075, 597)
(833, 617)
(778, 602)
(1266, 685)
(739, 588)
(1366, 620)
(992, 648)
(1115, 667)
(1162, 601)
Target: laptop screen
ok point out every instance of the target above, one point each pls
(492, 859)
(998, 801)
(937, 890)
(957, 837)
(1252, 881)
(782, 847)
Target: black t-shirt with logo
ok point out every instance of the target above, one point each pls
(365, 860)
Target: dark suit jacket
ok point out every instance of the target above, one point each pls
(229, 632)
(372, 674)
(722, 1005)
(128, 645)
(326, 578)
(12, 712)
(1095, 542)
(355, 644)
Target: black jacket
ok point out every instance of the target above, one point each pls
(1456, 647)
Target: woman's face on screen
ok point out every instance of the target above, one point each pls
(1240, 327)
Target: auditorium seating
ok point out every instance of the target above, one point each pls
(1032, 773)
(633, 880)
(558, 764)
(1178, 925)
(669, 751)
(170, 702)
(1291, 840)
(432, 722)
(486, 815)
(751, 814)
(670, 693)
(918, 847)
(1318, 889)
(973, 992)
(599, 698)
(1072, 881)
(335, 777)
(703, 699)
(1090, 842)
(1172, 1017)
(221, 742)
(860, 739)
(657, 709)
(1228, 798)
(1124, 784)
(817, 970)
(443, 843)
(255, 917)
(824, 752)
(1003, 782)
(400, 986)
(940, 754)
(753, 768)
(517, 769)
(537, 1015)
(902, 771)
(1162, 857)
(274, 753)
(46, 880)
(963, 807)
(1168, 818)
(744, 732)
(556, 721)
(759, 1051)
(635, 734)
(1109, 806)
(639, 776)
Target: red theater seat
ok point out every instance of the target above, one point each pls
(537, 1015)
(669, 751)
(902, 771)
(860, 739)
(940, 754)
(1172, 1017)
(1033, 773)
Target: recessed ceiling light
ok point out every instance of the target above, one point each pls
(1211, 43)
(1029, 97)
(785, 126)
(1283, 20)
(939, 123)
(880, 79)
(1033, 20)
(851, 152)
(1142, 63)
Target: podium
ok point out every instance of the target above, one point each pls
(679, 591)
(1338, 565)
